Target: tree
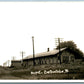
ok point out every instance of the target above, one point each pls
(73, 47)
(68, 44)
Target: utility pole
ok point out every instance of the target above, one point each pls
(33, 51)
(59, 50)
(22, 53)
(8, 63)
(13, 58)
(58, 41)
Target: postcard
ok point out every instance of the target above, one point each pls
(41, 41)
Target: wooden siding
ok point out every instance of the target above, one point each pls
(66, 57)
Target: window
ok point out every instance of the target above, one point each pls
(65, 59)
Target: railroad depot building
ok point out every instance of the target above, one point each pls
(49, 57)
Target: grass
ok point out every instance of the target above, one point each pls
(75, 72)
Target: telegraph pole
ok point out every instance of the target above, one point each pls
(8, 62)
(22, 53)
(58, 40)
(13, 58)
(59, 50)
(33, 51)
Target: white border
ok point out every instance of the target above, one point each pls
(33, 81)
(47, 81)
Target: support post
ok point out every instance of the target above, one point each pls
(59, 50)
(22, 53)
(33, 51)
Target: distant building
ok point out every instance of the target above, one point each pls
(16, 63)
(49, 57)
(7, 63)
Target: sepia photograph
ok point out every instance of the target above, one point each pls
(42, 40)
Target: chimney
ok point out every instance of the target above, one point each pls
(48, 49)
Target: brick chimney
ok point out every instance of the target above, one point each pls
(48, 49)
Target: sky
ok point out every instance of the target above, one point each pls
(19, 21)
